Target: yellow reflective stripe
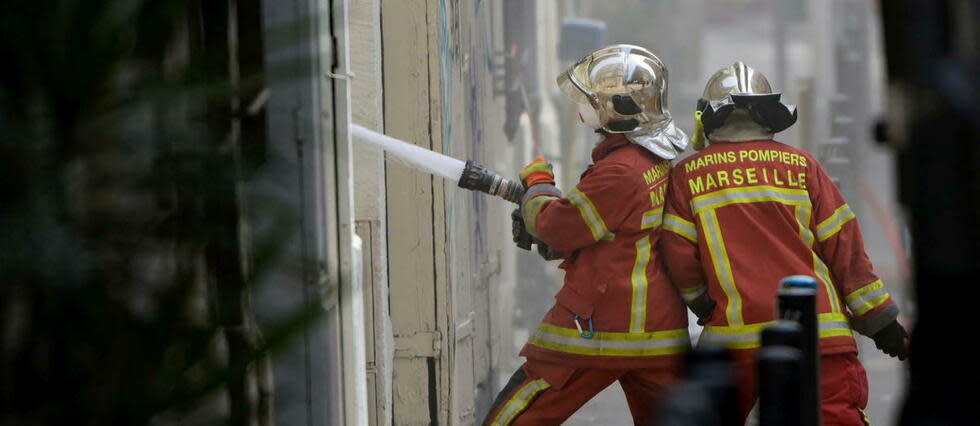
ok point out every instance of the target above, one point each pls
(864, 416)
(517, 403)
(834, 223)
(823, 274)
(531, 210)
(679, 226)
(867, 298)
(749, 194)
(723, 266)
(734, 336)
(638, 311)
(606, 343)
(689, 294)
(652, 218)
(590, 215)
(819, 268)
(748, 336)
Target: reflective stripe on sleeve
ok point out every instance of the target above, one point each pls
(606, 343)
(679, 226)
(722, 266)
(519, 402)
(833, 224)
(652, 218)
(531, 209)
(590, 215)
(689, 294)
(867, 298)
(638, 310)
(748, 336)
(749, 194)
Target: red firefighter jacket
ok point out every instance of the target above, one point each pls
(741, 216)
(616, 288)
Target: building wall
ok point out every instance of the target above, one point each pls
(370, 205)
(438, 260)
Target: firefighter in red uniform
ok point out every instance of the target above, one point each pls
(746, 212)
(617, 317)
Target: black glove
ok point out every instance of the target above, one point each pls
(524, 240)
(891, 340)
(547, 252)
(517, 229)
(703, 307)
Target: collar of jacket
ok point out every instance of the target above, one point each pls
(611, 143)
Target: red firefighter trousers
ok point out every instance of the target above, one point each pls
(541, 393)
(843, 387)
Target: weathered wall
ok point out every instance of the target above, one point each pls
(433, 73)
(416, 254)
(370, 204)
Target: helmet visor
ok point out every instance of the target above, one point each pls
(571, 83)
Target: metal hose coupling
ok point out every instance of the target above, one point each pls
(477, 178)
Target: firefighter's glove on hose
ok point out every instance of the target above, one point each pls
(702, 307)
(547, 252)
(538, 171)
(891, 340)
(519, 231)
(523, 239)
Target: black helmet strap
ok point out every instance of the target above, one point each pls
(764, 109)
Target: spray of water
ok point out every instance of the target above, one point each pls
(417, 157)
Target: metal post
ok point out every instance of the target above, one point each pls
(798, 302)
(712, 367)
(779, 386)
(708, 396)
(785, 333)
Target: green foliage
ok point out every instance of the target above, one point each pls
(125, 276)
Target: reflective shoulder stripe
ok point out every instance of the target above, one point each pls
(531, 209)
(519, 402)
(679, 226)
(652, 218)
(867, 298)
(689, 294)
(834, 223)
(590, 215)
(613, 344)
(748, 336)
(749, 194)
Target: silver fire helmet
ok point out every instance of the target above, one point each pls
(626, 86)
(741, 87)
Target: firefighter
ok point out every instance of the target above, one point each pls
(616, 317)
(747, 211)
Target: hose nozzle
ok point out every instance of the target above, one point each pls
(477, 178)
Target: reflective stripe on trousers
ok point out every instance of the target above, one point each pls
(519, 402)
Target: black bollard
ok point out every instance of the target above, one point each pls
(798, 302)
(780, 386)
(784, 333)
(689, 404)
(713, 367)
